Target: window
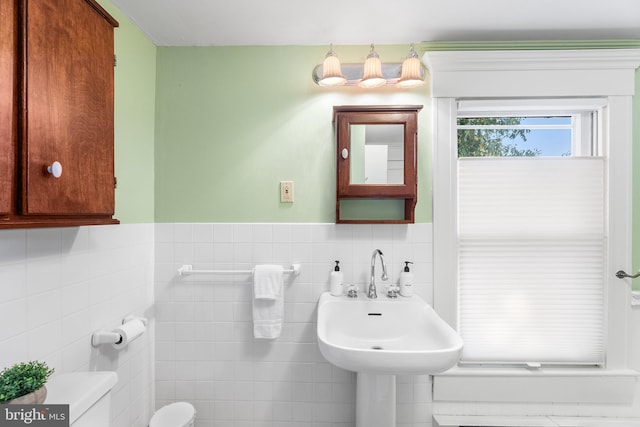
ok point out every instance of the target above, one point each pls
(515, 136)
(531, 215)
(475, 82)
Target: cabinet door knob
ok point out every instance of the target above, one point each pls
(55, 169)
(345, 153)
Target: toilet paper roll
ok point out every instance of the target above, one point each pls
(128, 332)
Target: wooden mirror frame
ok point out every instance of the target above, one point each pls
(406, 115)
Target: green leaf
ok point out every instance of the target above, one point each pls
(23, 378)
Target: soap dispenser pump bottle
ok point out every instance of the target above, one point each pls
(406, 281)
(336, 280)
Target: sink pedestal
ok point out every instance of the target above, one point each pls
(375, 400)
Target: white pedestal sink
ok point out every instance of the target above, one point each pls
(379, 339)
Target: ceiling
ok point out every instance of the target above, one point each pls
(300, 22)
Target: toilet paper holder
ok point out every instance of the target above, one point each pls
(115, 337)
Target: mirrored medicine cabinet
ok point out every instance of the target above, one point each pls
(376, 163)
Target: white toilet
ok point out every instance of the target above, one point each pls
(88, 395)
(179, 414)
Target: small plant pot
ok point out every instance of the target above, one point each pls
(34, 398)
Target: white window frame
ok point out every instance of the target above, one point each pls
(528, 75)
(580, 109)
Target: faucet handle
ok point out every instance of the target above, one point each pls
(352, 291)
(392, 291)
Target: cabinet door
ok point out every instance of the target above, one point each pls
(68, 109)
(8, 105)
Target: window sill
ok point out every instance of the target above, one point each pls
(532, 421)
(558, 385)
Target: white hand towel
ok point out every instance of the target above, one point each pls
(267, 281)
(268, 301)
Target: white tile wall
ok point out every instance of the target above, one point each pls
(58, 285)
(205, 350)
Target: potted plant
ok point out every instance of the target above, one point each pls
(24, 383)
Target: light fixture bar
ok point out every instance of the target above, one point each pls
(352, 74)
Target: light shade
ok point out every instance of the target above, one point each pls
(331, 70)
(411, 74)
(372, 74)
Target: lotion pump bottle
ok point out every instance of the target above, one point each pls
(406, 281)
(336, 280)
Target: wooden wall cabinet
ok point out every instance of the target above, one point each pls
(376, 158)
(56, 105)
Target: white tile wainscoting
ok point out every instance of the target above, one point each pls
(58, 285)
(205, 349)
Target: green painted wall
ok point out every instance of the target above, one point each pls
(232, 122)
(135, 89)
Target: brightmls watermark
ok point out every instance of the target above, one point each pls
(34, 415)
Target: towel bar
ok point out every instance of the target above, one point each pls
(187, 269)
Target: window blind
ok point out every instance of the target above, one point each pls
(531, 260)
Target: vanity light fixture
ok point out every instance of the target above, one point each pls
(331, 70)
(372, 73)
(411, 75)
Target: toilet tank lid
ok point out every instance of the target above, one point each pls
(80, 390)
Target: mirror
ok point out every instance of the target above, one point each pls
(376, 161)
(377, 154)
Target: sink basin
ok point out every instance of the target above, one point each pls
(385, 336)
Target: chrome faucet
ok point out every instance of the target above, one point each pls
(371, 293)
